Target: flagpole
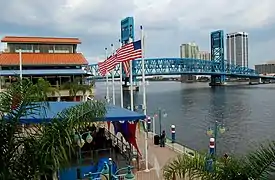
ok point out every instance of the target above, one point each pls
(113, 78)
(121, 87)
(20, 64)
(144, 98)
(107, 79)
(131, 83)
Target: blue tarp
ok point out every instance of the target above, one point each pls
(114, 113)
(71, 173)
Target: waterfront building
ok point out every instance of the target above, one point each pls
(237, 48)
(204, 55)
(267, 68)
(189, 50)
(54, 59)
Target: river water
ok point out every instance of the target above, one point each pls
(247, 112)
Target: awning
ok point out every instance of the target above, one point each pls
(114, 113)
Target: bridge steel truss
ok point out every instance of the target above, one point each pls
(217, 56)
(178, 66)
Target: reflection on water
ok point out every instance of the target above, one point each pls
(247, 112)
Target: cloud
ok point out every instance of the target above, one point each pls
(167, 23)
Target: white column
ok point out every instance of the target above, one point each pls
(121, 83)
(131, 86)
(107, 79)
(120, 80)
(113, 79)
(144, 99)
(20, 64)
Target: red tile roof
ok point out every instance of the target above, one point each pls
(43, 40)
(9, 59)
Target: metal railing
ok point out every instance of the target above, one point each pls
(177, 146)
(125, 148)
(115, 176)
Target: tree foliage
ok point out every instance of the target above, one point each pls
(77, 86)
(256, 165)
(44, 148)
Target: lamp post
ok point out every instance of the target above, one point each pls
(219, 128)
(108, 173)
(161, 113)
(148, 121)
(80, 142)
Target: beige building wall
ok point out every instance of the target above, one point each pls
(189, 50)
(204, 55)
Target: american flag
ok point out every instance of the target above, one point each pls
(102, 68)
(126, 67)
(129, 52)
(111, 63)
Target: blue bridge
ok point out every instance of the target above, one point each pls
(181, 66)
(218, 68)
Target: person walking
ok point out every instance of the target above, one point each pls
(162, 139)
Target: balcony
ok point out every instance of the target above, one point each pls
(65, 92)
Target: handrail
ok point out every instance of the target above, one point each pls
(123, 147)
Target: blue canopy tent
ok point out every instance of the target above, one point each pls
(114, 113)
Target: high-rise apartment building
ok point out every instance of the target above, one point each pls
(237, 48)
(204, 55)
(189, 50)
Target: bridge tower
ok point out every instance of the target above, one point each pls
(127, 34)
(217, 57)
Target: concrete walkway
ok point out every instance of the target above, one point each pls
(157, 156)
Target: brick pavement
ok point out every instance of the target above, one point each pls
(157, 156)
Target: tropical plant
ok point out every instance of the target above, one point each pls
(77, 86)
(44, 148)
(73, 87)
(86, 88)
(46, 87)
(255, 165)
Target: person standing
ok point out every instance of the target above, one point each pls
(162, 139)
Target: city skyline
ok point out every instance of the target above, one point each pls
(166, 23)
(192, 50)
(237, 51)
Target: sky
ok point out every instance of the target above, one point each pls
(167, 23)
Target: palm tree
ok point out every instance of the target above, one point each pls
(256, 165)
(76, 86)
(73, 87)
(86, 88)
(46, 87)
(45, 148)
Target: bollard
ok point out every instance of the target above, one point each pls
(173, 132)
(212, 146)
(148, 124)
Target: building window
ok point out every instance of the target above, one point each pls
(46, 48)
(36, 48)
(63, 49)
(26, 48)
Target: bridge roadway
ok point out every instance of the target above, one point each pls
(180, 66)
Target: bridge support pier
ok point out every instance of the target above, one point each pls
(126, 86)
(187, 78)
(255, 81)
(217, 80)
